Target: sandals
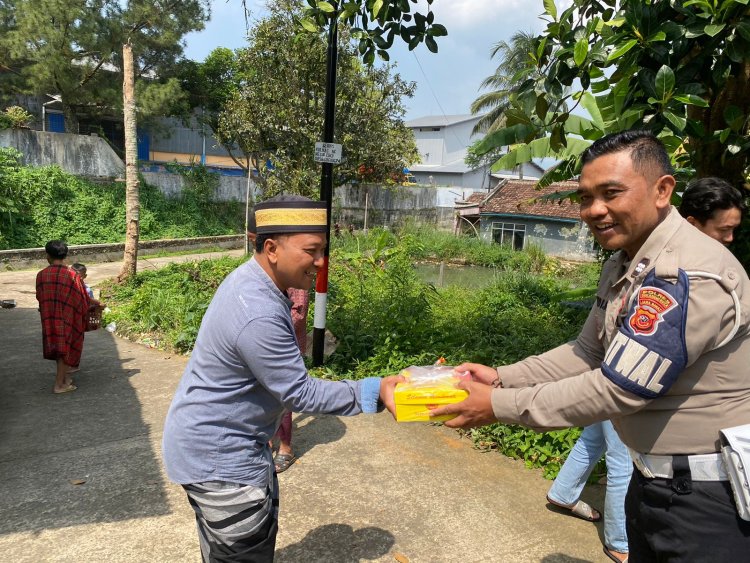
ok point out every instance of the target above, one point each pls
(610, 553)
(282, 462)
(67, 389)
(580, 510)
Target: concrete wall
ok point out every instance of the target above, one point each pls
(231, 188)
(571, 240)
(88, 156)
(393, 206)
(36, 257)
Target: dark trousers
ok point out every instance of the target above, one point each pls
(670, 520)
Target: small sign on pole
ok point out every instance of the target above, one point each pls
(328, 152)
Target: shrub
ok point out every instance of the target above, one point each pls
(15, 117)
(44, 203)
(166, 306)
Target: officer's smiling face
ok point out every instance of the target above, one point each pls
(620, 205)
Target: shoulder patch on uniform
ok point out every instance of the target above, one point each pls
(648, 353)
(651, 304)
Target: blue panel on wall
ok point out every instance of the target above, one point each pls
(144, 146)
(56, 122)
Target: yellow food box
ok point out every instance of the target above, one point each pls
(425, 388)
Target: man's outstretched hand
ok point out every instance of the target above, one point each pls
(475, 410)
(387, 387)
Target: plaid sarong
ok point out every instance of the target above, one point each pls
(64, 305)
(236, 523)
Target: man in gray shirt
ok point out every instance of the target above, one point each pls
(245, 370)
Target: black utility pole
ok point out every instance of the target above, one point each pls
(326, 190)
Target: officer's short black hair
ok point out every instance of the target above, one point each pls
(56, 249)
(646, 151)
(704, 196)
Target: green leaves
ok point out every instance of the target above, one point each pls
(620, 50)
(691, 99)
(539, 148)
(590, 105)
(505, 137)
(437, 30)
(309, 25)
(714, 29)
(550, 8)
(376, 23)
(580, 51)
(678, 121)
(664, 83)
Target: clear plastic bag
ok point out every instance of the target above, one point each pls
(427, 387)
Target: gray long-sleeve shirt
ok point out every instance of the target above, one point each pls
(245, 370)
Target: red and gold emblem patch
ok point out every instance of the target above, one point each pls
(652, 304)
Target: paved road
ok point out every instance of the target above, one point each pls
(364, 489)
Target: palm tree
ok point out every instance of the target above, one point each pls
(515, 66)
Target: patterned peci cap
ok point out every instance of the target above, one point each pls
(290, 214)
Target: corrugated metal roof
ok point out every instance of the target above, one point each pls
(521, 197)
(441, 120)
(455, 167)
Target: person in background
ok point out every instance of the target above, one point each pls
(714, 207)
(596, 440)
(80, 269)
(245, 371)
(64, 306)
(284, 457)
(663, 354)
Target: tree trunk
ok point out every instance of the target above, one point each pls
(70, 117)
(710, 158)
(132, 200)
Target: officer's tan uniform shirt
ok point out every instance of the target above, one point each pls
(566, 386)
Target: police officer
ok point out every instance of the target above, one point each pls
(663, 354)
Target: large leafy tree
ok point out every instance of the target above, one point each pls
(209, 86)
(680, 69)
(73, 48)
(376, 24)
(275, 114)
(512, 69)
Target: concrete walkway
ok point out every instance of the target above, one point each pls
(81, 478)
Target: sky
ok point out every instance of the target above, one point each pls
(447, 82)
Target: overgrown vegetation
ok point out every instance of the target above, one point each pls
(38, 204)
(386, 318)
(15, 117)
